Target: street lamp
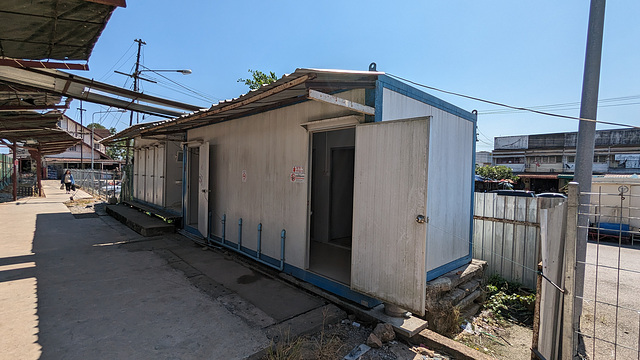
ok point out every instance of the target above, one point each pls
(136, 74)
(93, 123)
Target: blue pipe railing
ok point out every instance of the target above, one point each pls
(238, 247)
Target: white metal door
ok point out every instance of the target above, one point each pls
(390, 197)
(159, 176)
(142, 168)
(148, 185)
(203, 189)
(136, 174)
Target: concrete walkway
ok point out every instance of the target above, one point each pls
(90, 288)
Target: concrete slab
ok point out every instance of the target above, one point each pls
(277, 299)
(66, 293)
(138, 221)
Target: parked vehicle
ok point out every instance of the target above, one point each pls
(552, 195)
(520, 193)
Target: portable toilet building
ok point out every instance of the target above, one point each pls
(353, 181)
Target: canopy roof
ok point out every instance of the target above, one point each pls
(36, 130)
(53, 29)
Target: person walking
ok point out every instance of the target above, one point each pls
(67, 180)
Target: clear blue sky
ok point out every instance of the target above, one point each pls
(515, 52)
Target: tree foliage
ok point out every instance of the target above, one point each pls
(258, 79)
(117, 151)
(499, 172)
(96, 126)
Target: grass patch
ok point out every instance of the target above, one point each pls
(507, 300)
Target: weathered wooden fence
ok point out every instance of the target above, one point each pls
(507, 235)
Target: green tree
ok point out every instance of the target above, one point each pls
(258, 79)
(496, 172)
(118, 150)
(95, 126)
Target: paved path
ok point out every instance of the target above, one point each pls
(68, 291)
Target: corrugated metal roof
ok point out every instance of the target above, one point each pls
(287, 90)
(53, 29)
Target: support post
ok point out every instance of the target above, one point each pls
(14, 176)
(569, 323)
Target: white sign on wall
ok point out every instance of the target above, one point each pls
(297, 174)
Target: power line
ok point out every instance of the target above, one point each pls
(565, 106)
(511, 106)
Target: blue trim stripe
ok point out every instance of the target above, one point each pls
(407, 90)
(378, 100)
(441, 270)
(331, 286)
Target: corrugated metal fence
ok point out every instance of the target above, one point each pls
(507, 235)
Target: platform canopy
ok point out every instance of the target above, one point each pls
(36, 131)
(53, 29)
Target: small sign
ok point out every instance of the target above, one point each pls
(297, 174)
(244, 176)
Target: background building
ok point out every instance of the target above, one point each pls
(546, 162)
(484, 158)
(79, 156)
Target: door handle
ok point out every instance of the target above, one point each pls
(420, 219)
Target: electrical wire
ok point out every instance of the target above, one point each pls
(109, 72)
(191, 90)
(511, 106)
(566, 106)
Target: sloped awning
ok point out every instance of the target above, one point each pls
(53, 29)
(302, 85)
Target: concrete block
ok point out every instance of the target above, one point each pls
(406, 327)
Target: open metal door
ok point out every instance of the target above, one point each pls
(389, 207)
(203, 189)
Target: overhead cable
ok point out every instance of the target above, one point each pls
(511, 106)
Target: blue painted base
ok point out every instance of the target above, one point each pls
(441, 270)
(306, 276)
(331, 286)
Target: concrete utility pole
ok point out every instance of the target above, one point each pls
(587, 135)
(135, 76)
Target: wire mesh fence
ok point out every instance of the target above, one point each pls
(101, 183)
(6, 169)
(609, 306)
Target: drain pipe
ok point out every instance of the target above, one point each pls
(208, 237)
(259, 248)
(240, 234)
(224, 226)
(238, 248)
(283, 235)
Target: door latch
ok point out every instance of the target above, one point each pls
(420, 219)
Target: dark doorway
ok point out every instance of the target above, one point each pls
(332, 175)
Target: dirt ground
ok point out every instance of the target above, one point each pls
(499, 339)
(335, 341)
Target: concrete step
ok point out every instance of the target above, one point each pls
(138, 221)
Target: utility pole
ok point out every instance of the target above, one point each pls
(135, 76)
(586, 137)
(81, 136)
